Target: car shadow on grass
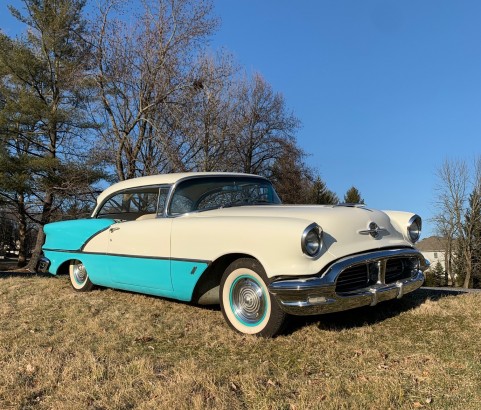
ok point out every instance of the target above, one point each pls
(22, 273)
(366, 316)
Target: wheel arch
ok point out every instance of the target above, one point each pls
(206, 291)
(63, 269)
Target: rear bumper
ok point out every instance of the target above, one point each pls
(317, 295)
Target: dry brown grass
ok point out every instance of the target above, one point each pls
(117, 350)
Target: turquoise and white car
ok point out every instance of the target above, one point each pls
(225, 238)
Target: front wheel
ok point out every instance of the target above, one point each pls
(79, 277)
(245, 301)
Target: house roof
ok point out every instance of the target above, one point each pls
(432, 244)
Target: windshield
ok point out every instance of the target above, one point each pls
(202, 194)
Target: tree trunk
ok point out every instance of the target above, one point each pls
(469, 270)
(37, 252)
(22, 232)
(447, 263)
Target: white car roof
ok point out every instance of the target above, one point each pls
(160, 179)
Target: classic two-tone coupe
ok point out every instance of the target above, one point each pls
(225, 238)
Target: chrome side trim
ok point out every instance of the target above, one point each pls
(317, 294)
(351, 205)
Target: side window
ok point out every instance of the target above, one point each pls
(143, 202)
(134, 204)
(117, 204)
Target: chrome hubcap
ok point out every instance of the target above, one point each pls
(248, 301)
(79, 273)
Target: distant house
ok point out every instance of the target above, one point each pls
(433, 249)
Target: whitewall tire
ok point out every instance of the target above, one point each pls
(79, 277)
(246, 303)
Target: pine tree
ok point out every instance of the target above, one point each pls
(353, 196)
(472, 235)
(295, 182)
(43, 112)
(438, 274)
(321, 195)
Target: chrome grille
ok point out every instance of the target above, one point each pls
(355, 277)
(366, 274)
(399, 268)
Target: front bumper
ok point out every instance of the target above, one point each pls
(317, 294)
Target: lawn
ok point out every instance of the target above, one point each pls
(117, 350)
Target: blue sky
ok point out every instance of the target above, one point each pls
(385, 89)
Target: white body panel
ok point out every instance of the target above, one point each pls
(271, 234)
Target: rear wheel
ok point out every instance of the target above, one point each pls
(79, 277)
(246, 303)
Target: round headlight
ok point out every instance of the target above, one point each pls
(311, 241)
(414, 228)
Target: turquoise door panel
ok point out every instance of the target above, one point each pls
(140, 253)
(140, 272)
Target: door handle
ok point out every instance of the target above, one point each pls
(113, 229)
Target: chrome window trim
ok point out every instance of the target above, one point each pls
(181, 180)
(135, 189)
(169, 193)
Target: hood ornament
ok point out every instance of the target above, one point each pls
(374, 230)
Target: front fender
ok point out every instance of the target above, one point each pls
(274, 241)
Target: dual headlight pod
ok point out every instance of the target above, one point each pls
(311, 240)
(414, 228)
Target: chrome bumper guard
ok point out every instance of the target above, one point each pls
(43, 265)
(317, 294)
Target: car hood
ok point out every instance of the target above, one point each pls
(344, 227)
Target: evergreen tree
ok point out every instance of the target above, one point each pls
(353, 196)
(295, 182)
(321, 195)
(438, 274)
(472, 235)
(43, 111)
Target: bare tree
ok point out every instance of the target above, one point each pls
(207, 124)
(469, 234)
(264, 125)
(451, 197)
(142, 66)
(458, 216)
